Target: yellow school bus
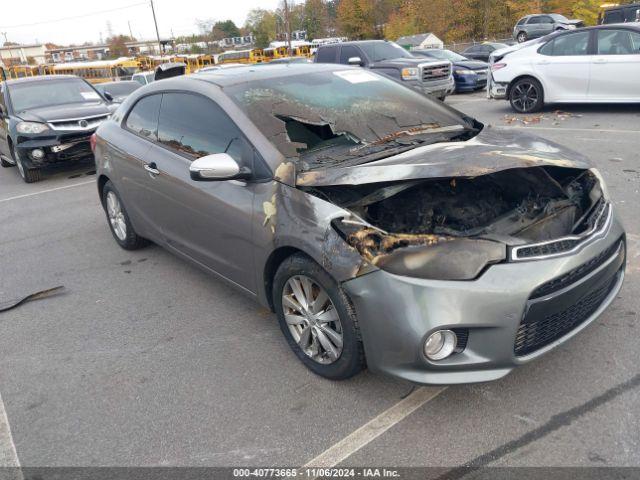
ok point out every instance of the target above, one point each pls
(193, 61)
(273, 53)
(100, 71)
(301, 51)
(255, 55)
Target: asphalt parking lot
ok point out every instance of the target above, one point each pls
(146, 360)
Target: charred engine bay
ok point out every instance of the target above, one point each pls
(510, 207)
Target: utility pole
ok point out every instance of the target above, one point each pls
(10, 49)
(130, 32)
(287, 25)
(153, 10)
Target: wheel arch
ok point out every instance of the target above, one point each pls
(274, 261)
(102, 181)
(523, 76)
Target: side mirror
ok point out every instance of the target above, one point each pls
(355, 61)
(108, 96)
(217, 166)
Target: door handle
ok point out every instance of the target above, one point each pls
(152, 168)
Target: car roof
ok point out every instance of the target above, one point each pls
(38, 78)
(234, 76)
(353, 42)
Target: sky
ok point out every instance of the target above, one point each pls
(40, 21)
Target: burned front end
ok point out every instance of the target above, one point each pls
(499, 265)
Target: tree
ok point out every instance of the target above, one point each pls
(228, 28)
(316, 19)
(357, 19)
(117, 46)
(262, 23)
(586, 10)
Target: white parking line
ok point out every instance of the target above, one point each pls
(374, 428)
(8, 454)
(581, 130)
(46, 191)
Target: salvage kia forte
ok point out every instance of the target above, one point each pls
(384, 229)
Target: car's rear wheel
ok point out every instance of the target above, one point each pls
(118, 219)
(29, 175)
(317, 319)
(522, 37)
(526, 96)
(5, 163)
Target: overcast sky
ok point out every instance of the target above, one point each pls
(41, 21)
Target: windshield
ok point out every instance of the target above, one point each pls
(380, 51)
(559, 18)
(118, 88)
(343, 116)
(28, 95)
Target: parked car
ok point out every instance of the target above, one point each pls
(383, 227)
(221, 66)
(144, 78)
(47, 120)
(481, 51)
(620, 14)
(117, 91)
(433, 77)
(469, 75)
(539, 25)
(591, 65)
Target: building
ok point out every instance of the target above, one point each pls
(77, 53)
(232, 42)
(23, 54)
(150, 47)
(420, 41)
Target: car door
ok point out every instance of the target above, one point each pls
(351, 51)
(209, 222)
(546, 25)
(564, 65)
(615, 69)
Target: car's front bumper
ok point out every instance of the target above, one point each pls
(59, 148)
(397, 314)
(438, 89)
(469, 83)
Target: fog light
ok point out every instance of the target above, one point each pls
(440, 345)
(37, 154)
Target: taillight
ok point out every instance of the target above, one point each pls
(92, 141)
(497, 66)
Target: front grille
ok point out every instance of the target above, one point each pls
(577, 273)
(439, 72)
(533, 335)
(80, 124)
(598, 220)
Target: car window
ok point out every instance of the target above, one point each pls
(380, 51)
(616, 16)
(139, 79)
(567, 45)
(521, 21)
(327, 54)
(143, 117)
(349, 51)
(195, 126)
(2, 104)
(618, 42)
(546, 19)
(534, 21)
(633, 15)
(474, 49)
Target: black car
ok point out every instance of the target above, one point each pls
(469, 75)
(620, 14)
(482, 51)
(47, 120)
(118, 91)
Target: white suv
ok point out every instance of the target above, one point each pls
(592, 65)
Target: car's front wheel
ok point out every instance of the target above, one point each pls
(29, 175)
(119, 222)
(526, 96)
(522, 37)
(317, 319)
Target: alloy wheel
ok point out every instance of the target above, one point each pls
(522, 37)
(312, 319)
(525, 96)
(116, 216)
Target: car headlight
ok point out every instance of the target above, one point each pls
(603, 186)
(31, 127)
(409, 73)
(464, 71)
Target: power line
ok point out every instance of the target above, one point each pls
(74, 17)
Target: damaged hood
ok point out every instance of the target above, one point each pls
(491, 151)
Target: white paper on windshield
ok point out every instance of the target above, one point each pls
(357, 76)
(90, 95)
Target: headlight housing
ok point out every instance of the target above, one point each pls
(603, 186)
(410, 73)
(31, 127)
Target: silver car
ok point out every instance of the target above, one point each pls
(539, 25)
(383, 228)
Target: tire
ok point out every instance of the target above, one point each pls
(315, 356)
(118, 220)
(29, 175)
(526, 95)
(6, 164)
(522, 37)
